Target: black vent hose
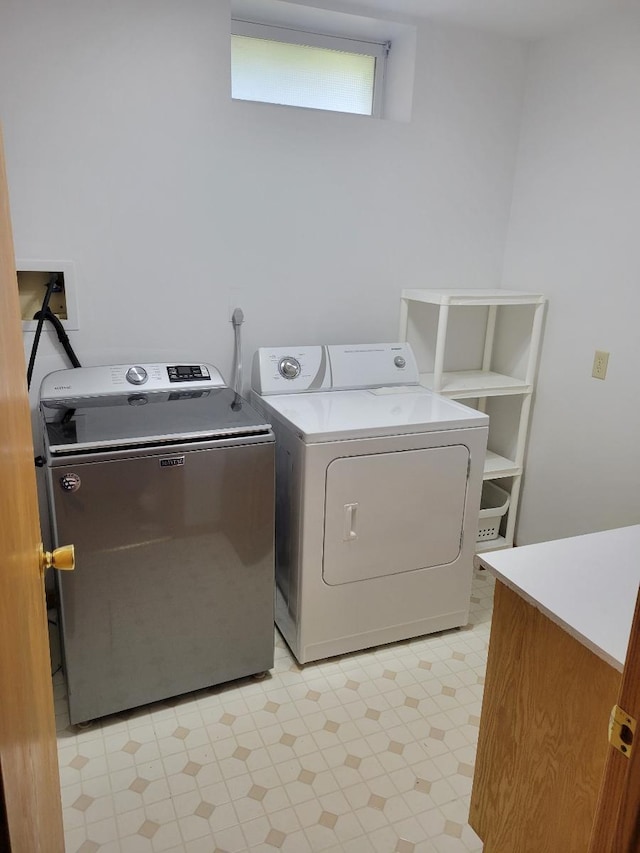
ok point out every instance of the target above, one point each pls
(53, 280)
(63, 337)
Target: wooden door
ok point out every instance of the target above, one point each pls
(616, 826)
(31, 819)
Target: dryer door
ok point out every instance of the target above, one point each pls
(393, 512)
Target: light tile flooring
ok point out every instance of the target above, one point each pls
(372, 751)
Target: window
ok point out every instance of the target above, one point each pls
(281, 65)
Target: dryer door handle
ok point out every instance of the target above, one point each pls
(350, 522)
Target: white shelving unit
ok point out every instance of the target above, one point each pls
(481, 346)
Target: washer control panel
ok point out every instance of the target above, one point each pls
(117, 378)
(332, 368)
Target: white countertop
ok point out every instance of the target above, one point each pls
(586, 584)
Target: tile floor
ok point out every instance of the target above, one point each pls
(372, 751)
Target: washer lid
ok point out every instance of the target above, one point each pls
(138, 419)
(342, 415)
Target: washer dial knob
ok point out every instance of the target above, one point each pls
(289, 367)
(399, 361)
(137, 375)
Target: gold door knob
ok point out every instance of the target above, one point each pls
(62, 558)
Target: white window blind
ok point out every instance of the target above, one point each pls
(272, 65)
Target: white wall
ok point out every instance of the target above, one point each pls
(126, 155)
(574, 235)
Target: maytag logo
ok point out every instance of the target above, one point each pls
(62, 387)
(171, 461)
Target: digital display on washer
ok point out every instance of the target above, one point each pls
(187, 373)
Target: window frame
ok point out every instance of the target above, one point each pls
(307, 38)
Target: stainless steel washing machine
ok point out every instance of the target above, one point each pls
(163, 479)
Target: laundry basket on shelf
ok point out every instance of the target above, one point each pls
(493, 505)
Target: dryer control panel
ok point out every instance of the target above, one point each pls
(290, 370)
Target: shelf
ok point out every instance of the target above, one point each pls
(492, 545)
(476, 383)
(496, 466)
(473, 297)
(502, 332)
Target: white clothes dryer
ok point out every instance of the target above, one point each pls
(378, 485)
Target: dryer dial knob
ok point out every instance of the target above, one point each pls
(289, 367)
(137, 375)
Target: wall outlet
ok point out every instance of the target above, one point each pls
(600, 362)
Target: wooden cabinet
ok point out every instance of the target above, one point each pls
(542, 743)
(561, 624)
(482, 347)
